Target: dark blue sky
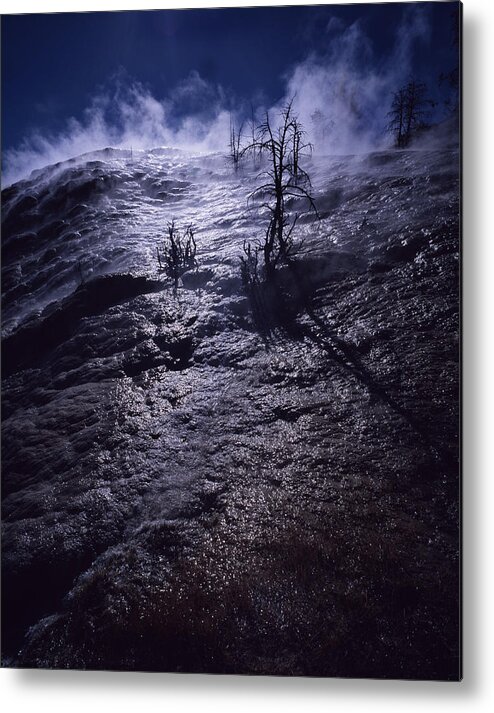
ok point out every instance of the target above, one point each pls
(52, 65)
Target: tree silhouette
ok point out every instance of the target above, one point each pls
(235, 141)
(321, 125)
(397, 118)
(409, 111)
(178, 253)
(284, 147)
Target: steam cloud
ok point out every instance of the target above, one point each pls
(341, 100)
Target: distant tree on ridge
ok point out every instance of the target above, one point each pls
(409, 111)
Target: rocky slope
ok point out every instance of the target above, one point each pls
(186, 488)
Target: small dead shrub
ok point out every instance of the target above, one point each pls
(177, 255)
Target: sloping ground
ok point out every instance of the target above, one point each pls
(185, 488)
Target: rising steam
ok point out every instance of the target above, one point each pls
(341, 99)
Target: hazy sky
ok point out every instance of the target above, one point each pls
(60, 69)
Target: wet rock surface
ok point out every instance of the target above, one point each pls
(187, 489)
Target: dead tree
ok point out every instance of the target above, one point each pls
(417, 108)
(253, 124)
(249, 265)
(178, 253)
(396, 125)
(297, 145)
(284, 149)
(235, 142)
(409, 111)
(321, 125)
